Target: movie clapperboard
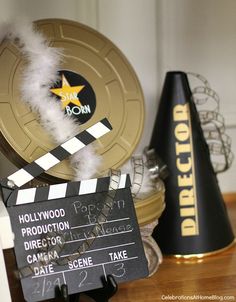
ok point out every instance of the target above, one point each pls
(51, 223)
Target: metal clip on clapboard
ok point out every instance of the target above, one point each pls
(21, 177)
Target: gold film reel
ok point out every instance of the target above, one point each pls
(91, 56)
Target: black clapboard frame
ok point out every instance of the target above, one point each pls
(51, 224)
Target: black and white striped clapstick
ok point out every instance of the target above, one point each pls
(50, 159)
(63, 190)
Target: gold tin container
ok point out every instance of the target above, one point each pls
(118, 94)
(150, 208)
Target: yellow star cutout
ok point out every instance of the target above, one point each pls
(67, 93)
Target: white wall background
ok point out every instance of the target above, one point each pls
(157, 36)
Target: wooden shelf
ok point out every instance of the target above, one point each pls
(213, 275)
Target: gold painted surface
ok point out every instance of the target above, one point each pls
(118, 92)
(201, 255)
(149, 209)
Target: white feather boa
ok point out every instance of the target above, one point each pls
(39, 75)
(41, 72)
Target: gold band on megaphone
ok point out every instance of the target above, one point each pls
(203, 255)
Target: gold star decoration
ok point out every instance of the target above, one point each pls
(67, 93)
